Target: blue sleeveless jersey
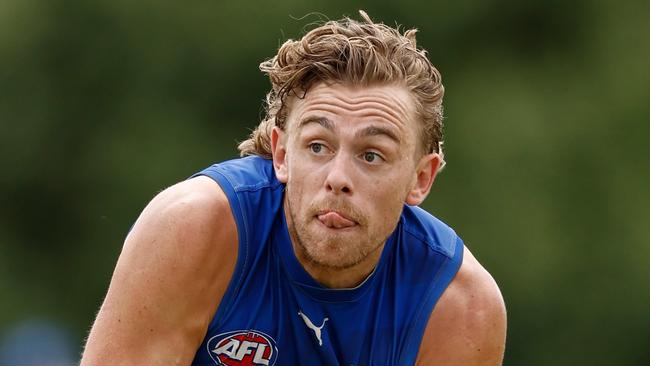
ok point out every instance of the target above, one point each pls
(274, 313)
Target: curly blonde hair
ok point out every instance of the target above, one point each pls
(350, 51)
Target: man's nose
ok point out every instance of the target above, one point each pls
(339, 179)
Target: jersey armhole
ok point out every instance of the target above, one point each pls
(439, 284)
(239, 215)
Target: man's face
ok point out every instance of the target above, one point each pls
(348, 158)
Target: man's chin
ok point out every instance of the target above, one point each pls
(331, 257)
(330, 248)
(333, 264)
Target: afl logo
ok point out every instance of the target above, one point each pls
(243, 348)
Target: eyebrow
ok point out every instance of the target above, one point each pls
(323, 121)
(366, 132)
(378, 131)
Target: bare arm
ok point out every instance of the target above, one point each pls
(468, 325)
(169, 279)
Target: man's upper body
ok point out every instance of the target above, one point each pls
(275, 312)
(354, 136)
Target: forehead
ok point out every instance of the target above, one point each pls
(381, 104)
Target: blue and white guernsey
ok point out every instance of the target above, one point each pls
(274, 313)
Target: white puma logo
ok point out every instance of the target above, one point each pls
(310, 325)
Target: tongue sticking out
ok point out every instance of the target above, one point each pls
(334, 220)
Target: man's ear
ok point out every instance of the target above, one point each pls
(279, 152)
(425, 171)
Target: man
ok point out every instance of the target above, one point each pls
(311, 250)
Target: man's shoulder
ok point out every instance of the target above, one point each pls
(473, 293)
(468, 325)
(199, 198)
(196, 211)
(187, 226)
(242, 174)
(430, 230)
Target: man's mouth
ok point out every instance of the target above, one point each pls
(335, 220)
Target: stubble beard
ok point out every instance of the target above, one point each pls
(335, 252)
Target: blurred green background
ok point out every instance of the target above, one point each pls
(105, 103)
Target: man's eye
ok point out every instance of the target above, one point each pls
(370, 157)
(316, 148)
